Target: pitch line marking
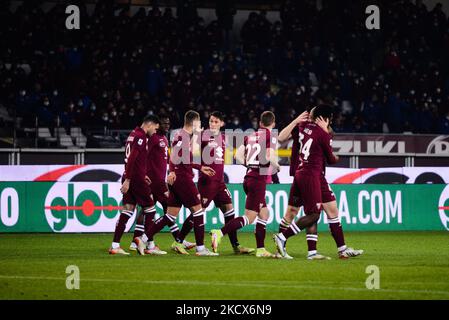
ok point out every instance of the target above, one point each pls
(239, 284)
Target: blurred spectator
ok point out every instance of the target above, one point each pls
(119, 67)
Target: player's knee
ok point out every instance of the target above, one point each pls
(251, 215)
(264, 214)
(173, 211)
(291, 213)
(129, 207)
(315, 217)
(331, 210)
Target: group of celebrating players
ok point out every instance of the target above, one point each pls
(144, 182)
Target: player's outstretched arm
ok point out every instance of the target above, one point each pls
(286, 133)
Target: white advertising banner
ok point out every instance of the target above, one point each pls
(233, 174)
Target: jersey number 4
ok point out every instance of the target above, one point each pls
(304, 148)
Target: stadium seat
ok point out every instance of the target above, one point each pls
(76, 132)
(66, 142)
(44, 133)
(81, 141)
(64, 139)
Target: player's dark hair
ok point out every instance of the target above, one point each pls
(267, 118)
(164, 116)
(323, 110)
(218, 115)
(151, 118)
(191, 116)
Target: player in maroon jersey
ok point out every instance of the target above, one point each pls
(328, 198)
(257, 153)
(182, 189)
(310, 188)
(213, 147)
(135, 188)
(157, 162)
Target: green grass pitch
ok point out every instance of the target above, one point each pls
(413, 265)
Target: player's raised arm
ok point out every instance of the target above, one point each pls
(326, 143)
(286, 133)
(326, 140)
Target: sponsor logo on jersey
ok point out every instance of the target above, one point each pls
(219, 152)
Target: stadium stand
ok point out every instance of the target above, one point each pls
(76, 87)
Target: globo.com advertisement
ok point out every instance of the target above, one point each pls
(94, 207)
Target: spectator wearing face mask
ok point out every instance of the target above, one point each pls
(177, 62)
(44, 113)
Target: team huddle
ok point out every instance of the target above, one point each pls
(145, 182)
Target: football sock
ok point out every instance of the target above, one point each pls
(337, 233)
(158, 225)
(283, 225)
(261, 227)
(312, 240)
(186, 227)
(229, 216)
(235, 224)
(175, 231)
(121, 224)
(139, 228)
(148, 214)
(115, 245)
(198, 227)
(291, 231)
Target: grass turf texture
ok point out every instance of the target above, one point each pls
(413, 265)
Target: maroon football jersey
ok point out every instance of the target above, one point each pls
(294, 159)
(315, 148)
(256, 152)
(212, 154)
(136, 150)
(181, 158)
(157, 157)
